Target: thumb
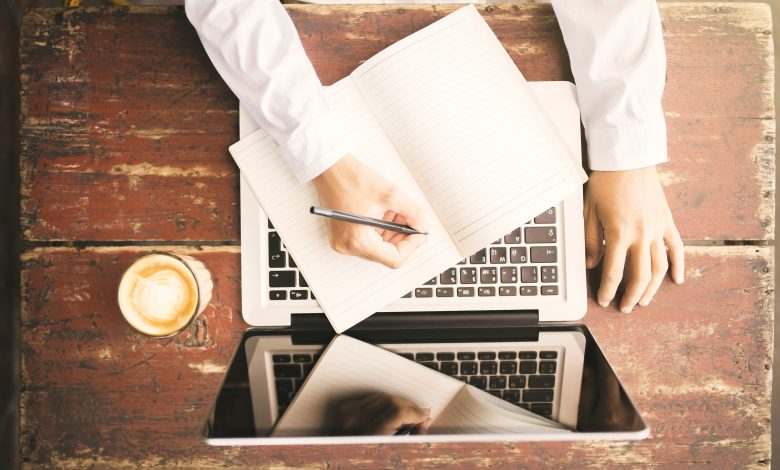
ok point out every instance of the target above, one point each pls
(594, 240)
(408, 209)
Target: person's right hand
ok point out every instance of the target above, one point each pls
(377, 414)
(350, 186)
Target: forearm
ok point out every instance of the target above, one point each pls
(619, 65)
(255, 48)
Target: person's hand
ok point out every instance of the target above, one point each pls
(377, 414)
(628, 211)
(350, 186)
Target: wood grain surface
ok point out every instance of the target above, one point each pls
(125, 126)
(97, 393)
(127, 123)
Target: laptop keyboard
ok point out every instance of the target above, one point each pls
(522, 263)
(526, 378)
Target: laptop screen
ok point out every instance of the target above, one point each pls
(517, 383)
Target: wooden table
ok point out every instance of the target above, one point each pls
(125, 129)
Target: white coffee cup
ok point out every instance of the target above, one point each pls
(161, 294)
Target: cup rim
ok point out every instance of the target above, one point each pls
(195, 314)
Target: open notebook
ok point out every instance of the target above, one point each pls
(349, 366)
(446, 116)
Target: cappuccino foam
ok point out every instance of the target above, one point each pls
(158, 295)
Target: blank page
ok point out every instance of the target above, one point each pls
(349, 367)
(348, 288)
(467, 124)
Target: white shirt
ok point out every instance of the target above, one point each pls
(615, 47)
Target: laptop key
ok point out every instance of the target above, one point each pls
(542, 409)
(430, 282)
(423, 356)
(518, 255)
(277, 295)
(281, 278)
(449, 276)
(547, 367)
(527, 367)
(281, 358)
(496, 393)
(541, 381)
(287, 370)
(528, 290)
(507, 291)
(468, 275)
(444, 292)
(408, 295)
(432, 365)
(513, 237)
(299, 294)
(488, 275)
(549, 290)
(274, 242)
(302, 282)
(300, 358)
(479, 382)
(486, 291)
(537, 395)
(548, 355)
(409, 356)
(307, 368)
(468, 368)
(509, 275)
(527, 354)
(512, 396)
(507, 355)
(541, 235)
(284, 387)
(445, 356)
(449, 368)
(466, 356)
(488, 367)
(517, 381)
(423, 292)
(486, 355)
(479, 257)
(508, 367)
(292, 261)
(465, 292)
(544, 254)
(498, 255)
(497, 382)
(549, 274)
(528, 274)
(546, 217)
(277, 260)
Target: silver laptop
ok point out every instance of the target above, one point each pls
(539, 266)
(499, 320)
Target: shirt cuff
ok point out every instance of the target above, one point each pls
(316, 147)
(627, 147)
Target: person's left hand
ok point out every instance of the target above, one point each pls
(628, 211)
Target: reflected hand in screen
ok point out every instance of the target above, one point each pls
(377, 414)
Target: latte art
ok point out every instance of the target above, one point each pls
(159, 294)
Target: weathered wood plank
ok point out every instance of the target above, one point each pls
(697, 362)
(126, 122)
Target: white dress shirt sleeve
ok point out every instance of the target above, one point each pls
(255, 48)
(617, 56)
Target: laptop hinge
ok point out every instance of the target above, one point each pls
(489, 319)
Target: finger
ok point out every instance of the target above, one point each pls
(659, 267)
(676, 253)
(389, 216)
(594, 240)
(400, 413)
(614, 262)
(411, 213)
(639, 275)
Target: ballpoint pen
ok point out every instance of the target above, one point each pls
(359, 219)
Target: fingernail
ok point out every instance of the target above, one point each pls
(604, 303)
(626, 309)
(644, 303)
(589, 262)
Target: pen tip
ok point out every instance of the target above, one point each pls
(311, 210)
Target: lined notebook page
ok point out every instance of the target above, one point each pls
(474, 411)
(348, 367)
(348, 288)
(467, 124)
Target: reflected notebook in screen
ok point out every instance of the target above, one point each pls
(510, 381)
